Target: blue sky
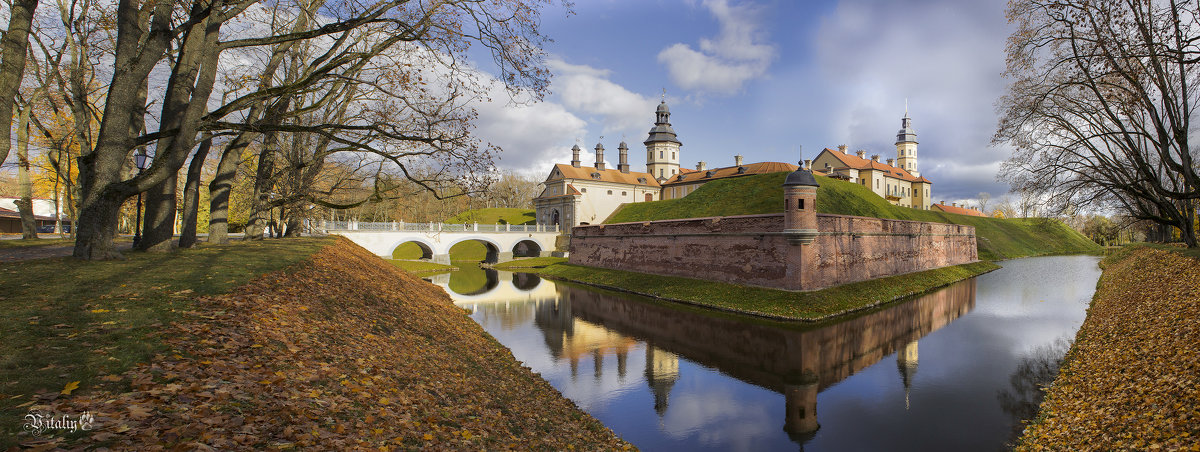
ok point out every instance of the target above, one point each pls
(762, 78)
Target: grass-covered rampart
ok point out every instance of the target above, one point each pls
(760, 194)
(306, 344)
(757, 301)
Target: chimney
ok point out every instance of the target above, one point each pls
(954, 204)
(861, 154)
(942, 202)
(624, 150)
(600, 156)
(700, 166)
(575, 156)
(891, 162)
(808, 164)
(843, 148)
(737, 160)
(875, 157)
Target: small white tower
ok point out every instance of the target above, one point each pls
(906, 145)
(662, 147)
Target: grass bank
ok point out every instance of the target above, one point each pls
(761, 194)
(494, 215)
(1129, 381)
(531, 262)
(64, 320)
(768, 303)
(339, 350)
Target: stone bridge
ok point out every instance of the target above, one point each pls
(503, 241)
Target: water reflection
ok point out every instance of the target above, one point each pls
(670, 377)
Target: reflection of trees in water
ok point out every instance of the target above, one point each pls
(1035, 371)
(470, 279)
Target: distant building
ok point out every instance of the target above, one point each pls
(955, 208)
(43, 215)
(897, 180)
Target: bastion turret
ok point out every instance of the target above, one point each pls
(800, 213)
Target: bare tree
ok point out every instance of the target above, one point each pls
(1100, 106)
(983, 198)
(13, 47)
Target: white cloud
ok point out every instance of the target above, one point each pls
(534, 136)
(724, 64)
(588, 90)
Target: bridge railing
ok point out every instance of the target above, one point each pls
(331, 226)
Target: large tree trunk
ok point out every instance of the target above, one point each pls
(12, 65)
(221, 186)
(158, 224)
(25, 205)
(263, 183)
(191, 194)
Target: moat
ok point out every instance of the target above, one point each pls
(956, 369)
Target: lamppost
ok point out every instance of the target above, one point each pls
(139, 159)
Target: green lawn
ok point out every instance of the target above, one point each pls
(530, 262)
(761, 194)
(64, 320)
(770, 303)
(495, 215)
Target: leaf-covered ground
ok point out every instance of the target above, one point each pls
(1132, 379)
(341, 352)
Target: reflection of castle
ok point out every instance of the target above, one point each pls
(662, 370)
(796, 363)
(906, 362)
(573, 340)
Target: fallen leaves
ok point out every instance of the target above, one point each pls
(69, 387)
(1132, 379)
(343, 352)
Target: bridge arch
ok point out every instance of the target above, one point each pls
(493, 249)
(428, 249)
(527, 247)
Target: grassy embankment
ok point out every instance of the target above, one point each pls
(494, 215)
(1129, 381)
(769, 303)
(336, 351)
(760, 194)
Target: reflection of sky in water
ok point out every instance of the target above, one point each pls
(952, 401)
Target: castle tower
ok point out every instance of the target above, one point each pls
(575, 156)
(600, 156)
(906, 146)
(800, 212)
(800, 401)
(623, 166)
(662, 147)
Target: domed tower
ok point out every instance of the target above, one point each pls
(662, 371)
(662, 147)
(800, 212)
(906, 363)
(906, 146)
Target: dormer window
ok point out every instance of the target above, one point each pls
(596, 176)
(741, 170)
(709, 174)
(641, 180)
(682, 177)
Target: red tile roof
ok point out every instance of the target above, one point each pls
(606, 175)
(958, 210)
(858, 163)
(694, 176)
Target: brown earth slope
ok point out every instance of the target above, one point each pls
(1132, 378)
(341, 352)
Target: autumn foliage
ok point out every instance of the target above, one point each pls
(1132, 379)
(341, 352)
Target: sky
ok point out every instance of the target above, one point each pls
(768, 79)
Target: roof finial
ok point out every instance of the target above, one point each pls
(664, 94)
(905, 107)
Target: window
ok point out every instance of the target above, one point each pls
(672, 155)
(610, 192)
(660, 154)
(583, 190)
(876, 183)
(623, 193)
(672, 172)
(800, 205)
(660, 172)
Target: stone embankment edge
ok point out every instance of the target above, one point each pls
(865, 307)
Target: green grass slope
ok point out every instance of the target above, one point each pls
(496, 215)
(759, 194)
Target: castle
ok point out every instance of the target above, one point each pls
(581, 195)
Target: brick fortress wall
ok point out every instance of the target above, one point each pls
(754, 250)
